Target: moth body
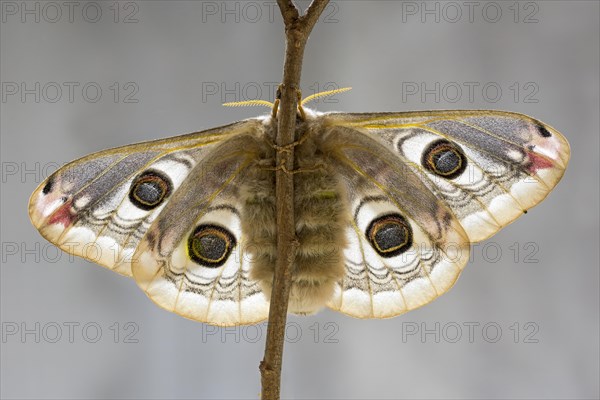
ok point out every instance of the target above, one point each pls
(320, 209)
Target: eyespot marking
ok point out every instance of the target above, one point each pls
(390, 235)
(49, 185)
(444, 159)
(210, 245)
(150, 189)
(543, 131)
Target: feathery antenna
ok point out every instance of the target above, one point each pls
(324, 94)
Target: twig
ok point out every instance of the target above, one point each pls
(297, 30)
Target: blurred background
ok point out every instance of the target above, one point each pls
(78, 77)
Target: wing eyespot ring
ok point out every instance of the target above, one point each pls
(210, 245)
(150, 189)
(445, 159)
(390, 235)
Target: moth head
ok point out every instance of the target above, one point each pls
(301, 114)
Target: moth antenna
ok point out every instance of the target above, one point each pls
(323, 94)
(250, 103)
(275, 108)
(300, 108)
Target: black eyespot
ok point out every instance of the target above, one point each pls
(543, 131)
(48, 186)
(444, 159)
(210, 245)
(150, 189)
(390, 235)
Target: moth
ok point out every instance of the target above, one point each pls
(386, 207)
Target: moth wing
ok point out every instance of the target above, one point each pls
(404, 245)
(86, 208)
(191, 260)
(506, 163)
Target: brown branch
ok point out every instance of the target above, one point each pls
(289, 11)
(312, 15)
(297, 30)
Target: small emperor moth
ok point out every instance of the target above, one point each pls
(386, 206)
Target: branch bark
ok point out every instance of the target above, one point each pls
(297, 30)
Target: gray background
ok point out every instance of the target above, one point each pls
(173, 55)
